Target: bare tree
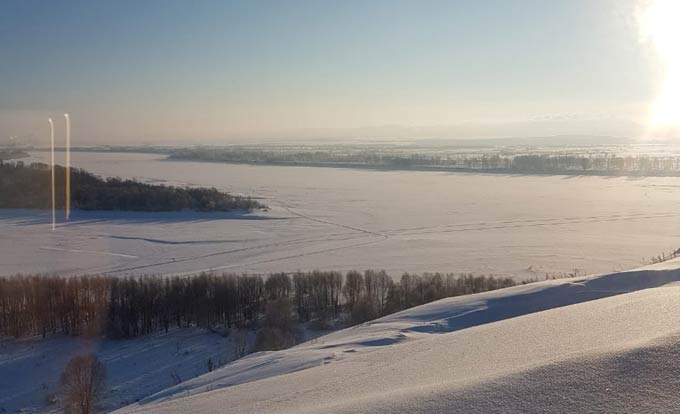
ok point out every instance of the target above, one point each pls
(84, 380)
(277, 332)
(140, 305)
(240, 340)
(353, 289)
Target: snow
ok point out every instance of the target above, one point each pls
(343, 219)
(586, 344)
(30, 368)
(598, 344)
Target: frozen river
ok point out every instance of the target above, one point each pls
(332, 218)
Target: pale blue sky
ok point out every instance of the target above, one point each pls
(206, 71)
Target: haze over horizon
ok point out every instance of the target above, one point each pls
(222, 72)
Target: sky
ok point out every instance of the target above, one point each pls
(132, 72)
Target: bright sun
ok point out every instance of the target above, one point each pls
(660, 24)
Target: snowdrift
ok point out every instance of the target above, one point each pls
(604, 343)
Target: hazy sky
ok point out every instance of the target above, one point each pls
(207, 71)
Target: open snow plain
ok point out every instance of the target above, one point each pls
(334, 218)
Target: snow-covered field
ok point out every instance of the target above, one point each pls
(30, 368)
(327, 218)
(598, 344)
(588, 344)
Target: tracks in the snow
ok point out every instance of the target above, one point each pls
(383, 235)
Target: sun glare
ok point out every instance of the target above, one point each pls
(659, 25)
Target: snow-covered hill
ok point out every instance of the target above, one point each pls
(598, 344)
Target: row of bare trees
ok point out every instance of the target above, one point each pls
(133, 306)
(600, 162)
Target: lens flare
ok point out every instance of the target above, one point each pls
(54, 195)
(659, 25)
(68, 166)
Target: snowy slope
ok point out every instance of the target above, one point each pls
(603, 343)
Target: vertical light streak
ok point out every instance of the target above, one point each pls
(68, 166)
(54, 194)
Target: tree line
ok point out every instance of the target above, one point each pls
(124, 307)
(12, 154)
(28, 186)
(600, 163)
